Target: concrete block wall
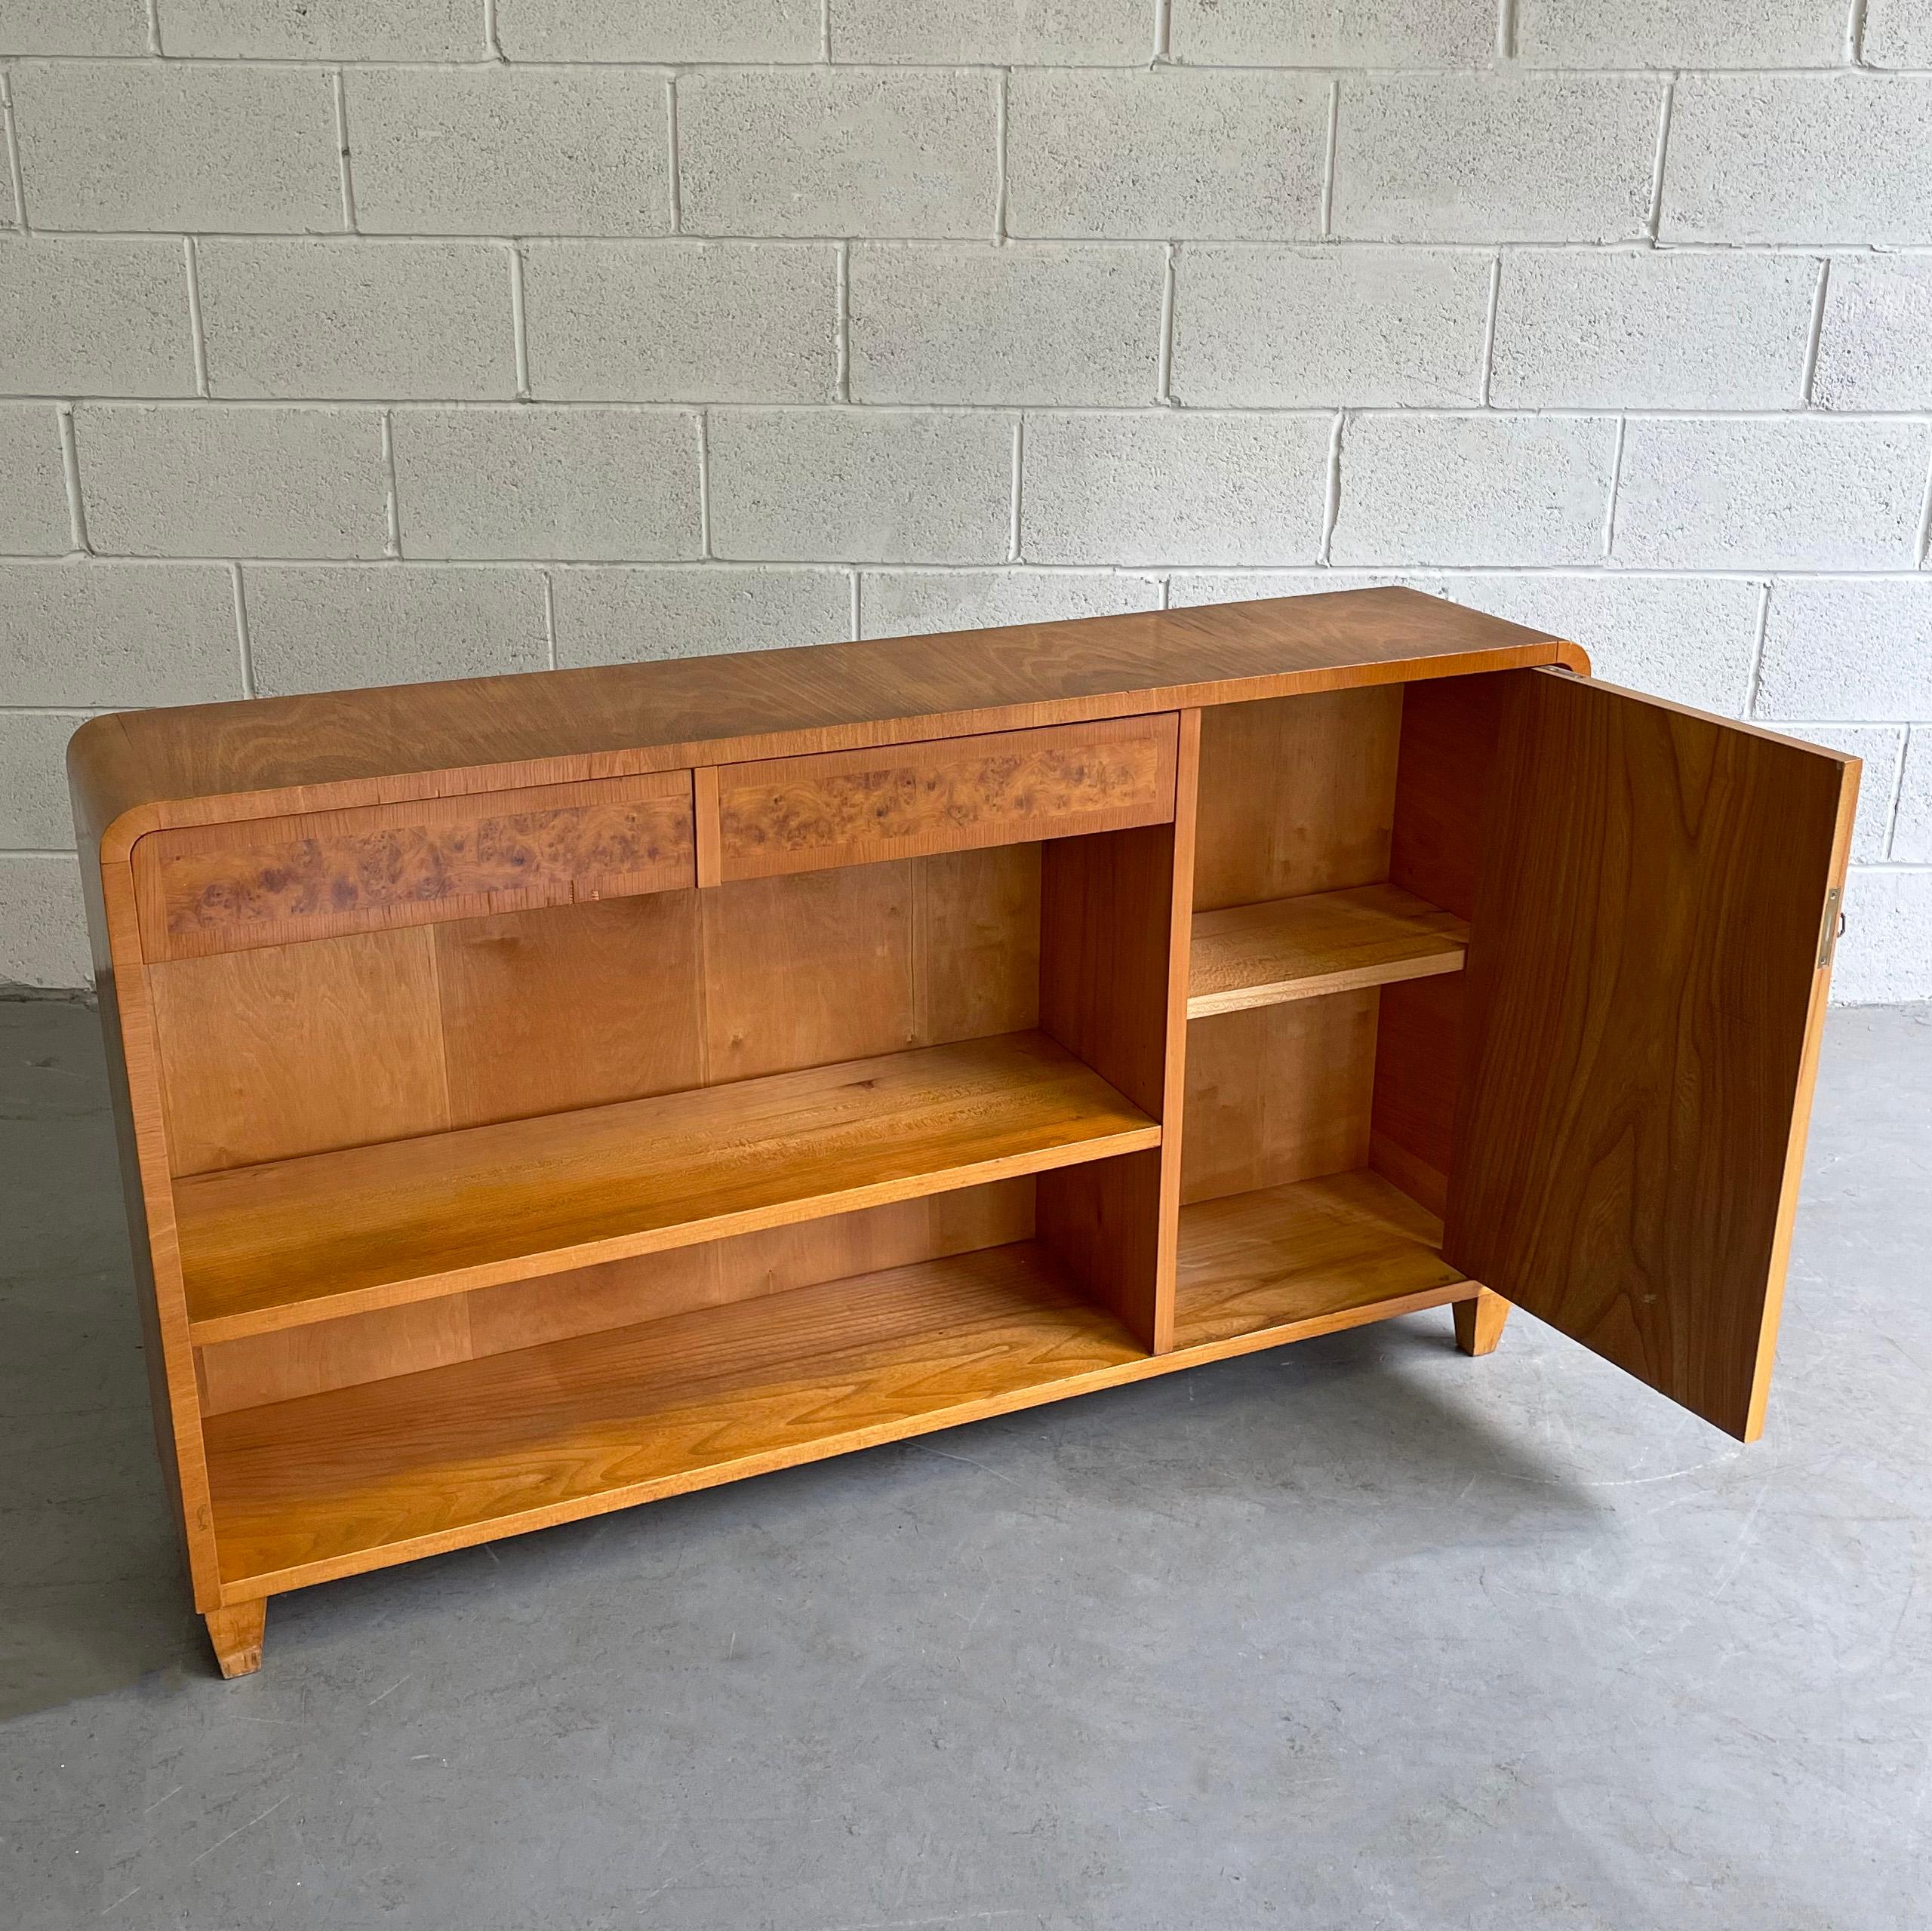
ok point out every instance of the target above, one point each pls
(350, 341)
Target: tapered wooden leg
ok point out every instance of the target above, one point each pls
(1479, 1322)
(236, 1634)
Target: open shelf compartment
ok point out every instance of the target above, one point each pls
(1252, 955)
(340, 1233)
(404, 1467)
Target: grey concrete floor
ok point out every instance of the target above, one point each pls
(1356, 1633)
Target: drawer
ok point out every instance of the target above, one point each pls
(223, 888)
(855, 807)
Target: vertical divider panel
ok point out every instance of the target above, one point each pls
(1115, 918)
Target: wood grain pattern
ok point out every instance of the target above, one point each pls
(1297, 795)
(294, 1362)
(1107, 961)
(354, 1480)
(1646, 986)
(203, 763)
(1266, 954)
(575, 1006)
(1254, 1264)
(1421, 1035)
(805, 970)
(976, 942)
(234, 1633)
(797, 814)
(220, 889)
(1277, 1094)
(303, 1240)
(292, 1049)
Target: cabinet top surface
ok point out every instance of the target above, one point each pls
(138, 771)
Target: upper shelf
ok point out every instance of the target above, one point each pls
(1328, 942)
(329, 1233)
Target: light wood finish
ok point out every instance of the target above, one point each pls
(1647, 973)
(311, 1360)
(1305, 1257)
(219, 889)
(1277, 1093)
(338, 1233)
(1296, 796)
(300, 1049)
(1479, 1322)
(235, 1632)
(208, 764)
(627, 1028)
(1420, 1036)
(783, 815)
(1330, 941)
(496, 1154)
(313, 1490)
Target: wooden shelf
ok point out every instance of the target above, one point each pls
(390, 1470)
(1286, 1262)
(1328, 942)
(330, 1233)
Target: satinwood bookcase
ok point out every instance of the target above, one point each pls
(541, 1094)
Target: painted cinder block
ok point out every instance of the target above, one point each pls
(872, 153)
(1806, 492)
(1170, 153)
(1484, 157)
(99, 314)
(210, 480)
(100, 636)
(33, 481)
(1028, 322)
(182, 147)
(1174, 486)
(356, 319)
(682, 322)
(1419, 490)
(1605, 329)
(327, 627)
(916, 603)
(861, 485)
(510, 151)
(537, 482)
(1296, 328)
(1799, 158)
(626, 615)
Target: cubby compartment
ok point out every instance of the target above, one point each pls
(544, 1401)
(531, 1215)
(1337, 857)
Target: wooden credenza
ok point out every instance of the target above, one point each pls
(541, 1094)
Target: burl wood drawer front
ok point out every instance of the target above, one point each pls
(222, 888)
(855, 807)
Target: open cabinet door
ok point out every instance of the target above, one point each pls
(1648, 969)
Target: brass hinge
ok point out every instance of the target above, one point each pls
(1833, 925)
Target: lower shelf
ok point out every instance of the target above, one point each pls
(332, 1484)
(1286, 1262)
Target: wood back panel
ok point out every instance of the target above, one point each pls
(1647, 973)
(222, 888)
(1277, 1093)
(1297, 794)
(784, 815)
(282, 1050)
